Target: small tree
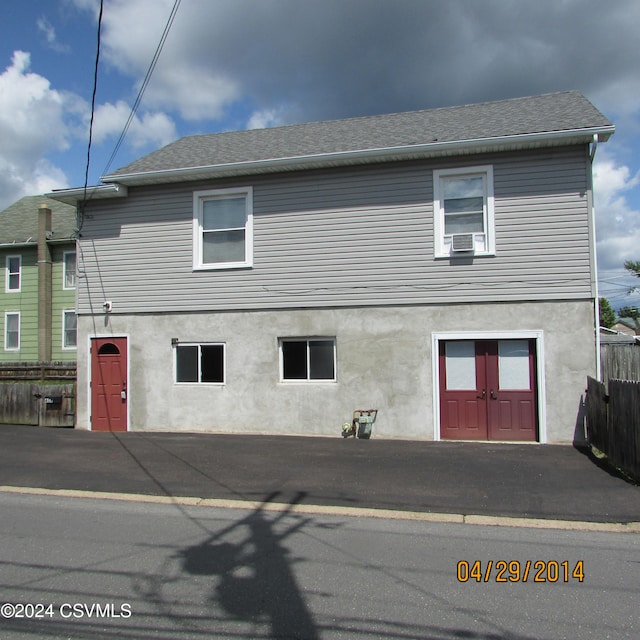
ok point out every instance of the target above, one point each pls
(607, 314)
(633, 267)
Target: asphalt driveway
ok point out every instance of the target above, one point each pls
(531, 481)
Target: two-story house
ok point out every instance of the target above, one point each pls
(419, 263)
(38, 294)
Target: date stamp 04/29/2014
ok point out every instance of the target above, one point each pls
(520, 571)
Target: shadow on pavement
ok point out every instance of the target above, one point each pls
(255, 580)
(603, 464)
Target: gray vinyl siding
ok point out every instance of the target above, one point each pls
(343, 237)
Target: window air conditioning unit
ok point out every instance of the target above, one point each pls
(462, 242)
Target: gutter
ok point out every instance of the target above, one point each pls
(360, 156)
(594, 147)
(78, 194)
(24, 245)
(17, 245)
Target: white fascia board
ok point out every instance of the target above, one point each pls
(76, 195)
(406, 152)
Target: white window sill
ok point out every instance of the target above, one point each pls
(223, 266)
(463, 254)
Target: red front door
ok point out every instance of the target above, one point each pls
(109, 384)
(487, 390)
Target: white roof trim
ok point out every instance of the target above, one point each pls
(361, 156)
(116, 183)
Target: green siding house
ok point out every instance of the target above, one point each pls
(38, 288)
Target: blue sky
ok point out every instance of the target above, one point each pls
(235, 64)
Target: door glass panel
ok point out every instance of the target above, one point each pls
(108, 349)
(513, 364)
(461, 366)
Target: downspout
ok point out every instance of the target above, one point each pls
(44, 284)
(594, 257)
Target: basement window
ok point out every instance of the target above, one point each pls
(200, 363)
(308, 359)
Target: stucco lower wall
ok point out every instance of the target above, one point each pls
(384, 361)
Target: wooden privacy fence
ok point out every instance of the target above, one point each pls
(61, 372)
(38, 393)
(44, 405)
(613, 423)
(620, 362)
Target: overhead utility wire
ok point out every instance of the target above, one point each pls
(145, 82)
(93, 108)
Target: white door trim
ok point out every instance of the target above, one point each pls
(537, 335)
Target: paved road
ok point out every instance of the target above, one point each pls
(531, 481)
(110, 569)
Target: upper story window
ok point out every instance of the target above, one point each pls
(223, 228)
(13, 273)
(464, 211)
(69, 270)
(69, 329)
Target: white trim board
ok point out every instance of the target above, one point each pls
(537, 335)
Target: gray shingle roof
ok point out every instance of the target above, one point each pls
(556, 112)
(19, 221)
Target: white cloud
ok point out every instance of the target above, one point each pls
(618, 223)
(183, 81)
(265, 118)
(194, 92)
(617, 226)
(155, 129)
(32, 124)
(47, 29)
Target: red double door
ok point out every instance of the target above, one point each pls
(109, 387)
(488, 390)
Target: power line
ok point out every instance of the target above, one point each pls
(93, 109)
(145, 82)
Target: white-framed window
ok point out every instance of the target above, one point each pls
(69, 329)
(200, 363)
(463, 205)
(308, 359)
(13, 278)
(69, 270)
(223, 228)
(12, 331)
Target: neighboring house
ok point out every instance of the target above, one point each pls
(276, 280)
(627, 325)
(38, 292)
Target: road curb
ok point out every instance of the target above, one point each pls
(366, 512)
